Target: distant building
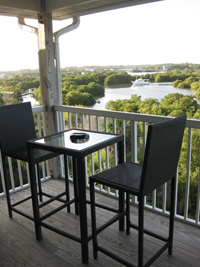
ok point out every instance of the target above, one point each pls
(89, 69)
(164, 67)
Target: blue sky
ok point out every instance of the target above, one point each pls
(156, 33)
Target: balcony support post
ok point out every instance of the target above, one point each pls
(48, 78)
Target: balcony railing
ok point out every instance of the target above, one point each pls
(134, 127)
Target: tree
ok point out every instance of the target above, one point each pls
(17, 93)
(92, 88)
(171, 105)
(1, 100)
(119, 78)
(15, 101)
(37, 95)
(77, 98)
(147, 105)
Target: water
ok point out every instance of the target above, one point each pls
(29, 98)
(154, 90)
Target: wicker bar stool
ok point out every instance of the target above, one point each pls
(17, 127)
(160, 165)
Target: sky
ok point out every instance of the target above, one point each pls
(155, 33)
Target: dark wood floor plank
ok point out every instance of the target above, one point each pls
(19, 247)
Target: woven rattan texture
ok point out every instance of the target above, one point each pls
(162, 153)
(160, 161)
(127, 174)
(16, 126)
(39, 155)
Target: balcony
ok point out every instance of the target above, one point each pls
(19, 245)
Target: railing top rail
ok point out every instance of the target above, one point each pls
(191, 123)
(39, 109)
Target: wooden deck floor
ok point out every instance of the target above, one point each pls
(19, 247)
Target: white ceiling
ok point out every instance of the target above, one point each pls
(63, 9)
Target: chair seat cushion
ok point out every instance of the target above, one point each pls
(126, 176)
(39, 155)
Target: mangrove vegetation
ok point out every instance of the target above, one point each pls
(84, 88)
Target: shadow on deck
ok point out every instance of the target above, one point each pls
(19, 247)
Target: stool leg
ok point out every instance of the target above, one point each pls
(35, 205)
(121, 209)
(140, 229)
(172, 212)
(66, 181)
(6, 187)
(93, 218)
(128, 214)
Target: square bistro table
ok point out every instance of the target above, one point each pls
(62, 144)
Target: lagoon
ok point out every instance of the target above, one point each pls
(29, 98)
(154, 90)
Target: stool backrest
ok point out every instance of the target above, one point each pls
(162, 153)
(16, 126)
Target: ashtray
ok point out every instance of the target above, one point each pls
(79, 137)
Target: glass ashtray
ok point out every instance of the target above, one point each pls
(79, 137)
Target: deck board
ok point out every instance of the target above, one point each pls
(19, 247)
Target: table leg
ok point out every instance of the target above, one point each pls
(76, 189)
(83, 208)
(121, 194)
(66, 181)
(35, 204)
